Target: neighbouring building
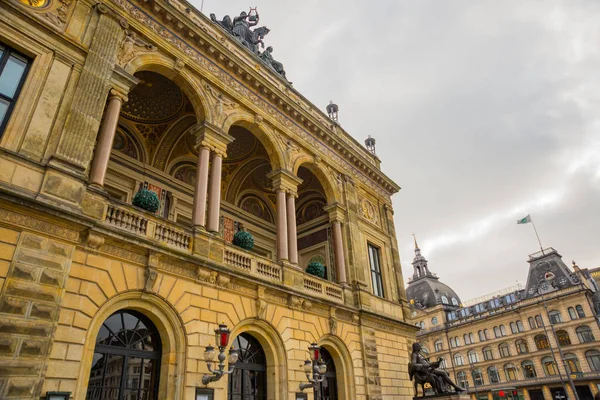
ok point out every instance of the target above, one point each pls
(519, 342)
(108, 103)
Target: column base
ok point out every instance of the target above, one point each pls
(98, 189)
(209, 246)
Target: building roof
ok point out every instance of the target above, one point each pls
(425, 289)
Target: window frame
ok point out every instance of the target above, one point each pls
(380, 291)
(7, 52)
(488, 353)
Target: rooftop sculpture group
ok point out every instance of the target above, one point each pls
(239, 28)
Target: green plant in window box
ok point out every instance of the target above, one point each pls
(244, 240)
(147, 200)
(316, 268)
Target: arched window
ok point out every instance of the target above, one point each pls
(424, 350)
(443, 364)
(326, 390)
(458, 360)
(580, 312)
(541, 342)
(538, 321)
(593, 359)
(513, 327)
(493, 375)
(487, 353)
(126, 358)
(486, 333)
(528, 369)
(555, 317)
(531, 323)
(473, 357)
(584, 334)
(504, 350)
(249, 378)
(572, 314)
(520, 326)
(454, 302)
(497, 332)
(502, 330)
(477, 377)
(444, 300)
(481, 336)
(521, 345)
(466, 339)
(511, 372)
(461, 379)
(549, 366)
(472, 338)
(438, 345)
(563, 338)
(572, 363)
(434, 321)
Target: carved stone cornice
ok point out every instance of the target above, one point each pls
(215, 54)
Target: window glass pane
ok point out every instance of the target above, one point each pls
(3, 108)
(11, 75)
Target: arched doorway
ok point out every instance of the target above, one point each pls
(249, 378)
(327, 390)
(126, 359)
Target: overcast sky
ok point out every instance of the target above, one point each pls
(483, 111)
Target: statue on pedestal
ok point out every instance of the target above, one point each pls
(422, 372)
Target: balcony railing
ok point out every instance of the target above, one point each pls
(142, 223)
(252, 263)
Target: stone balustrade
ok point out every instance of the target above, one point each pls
(324, 289)
(125, 216)
(253, 264)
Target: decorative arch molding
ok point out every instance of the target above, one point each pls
(130, 138)
(174, 70)
(343, 365)
(274, 348)
(172, 335)
(264, 201)
(236, 181)
(183, 169)
(170, 139)
(264, 135)
(332, 190)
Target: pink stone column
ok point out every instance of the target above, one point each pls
(214, 201)
(291, 225)
(281, 226)
(338, 247)
(199, 213)
(105, 139)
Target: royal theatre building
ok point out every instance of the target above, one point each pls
(143, 148)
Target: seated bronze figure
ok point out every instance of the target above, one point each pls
(422, 372)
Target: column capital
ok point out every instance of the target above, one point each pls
(336, 212)
(117, 94)
(122, 82)
(285, 180)
(209, 135)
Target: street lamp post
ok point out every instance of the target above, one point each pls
(221, 339)
(542, 285)
(316, 365)
(472, 368)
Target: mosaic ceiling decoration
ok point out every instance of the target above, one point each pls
(154, 100)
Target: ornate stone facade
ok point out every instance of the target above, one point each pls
(125, 94)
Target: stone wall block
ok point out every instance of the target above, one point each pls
(29, 304)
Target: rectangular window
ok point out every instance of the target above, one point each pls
(13, 70)
(204, 394)
(374, 261)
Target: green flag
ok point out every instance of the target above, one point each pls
(525, 220)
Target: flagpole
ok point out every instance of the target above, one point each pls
(538, 236)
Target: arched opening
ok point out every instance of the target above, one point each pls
(154, 144)
(126, 360)
(341, 362)
(328, 388)
(249, 378)
(315, 234)
(248, 199)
